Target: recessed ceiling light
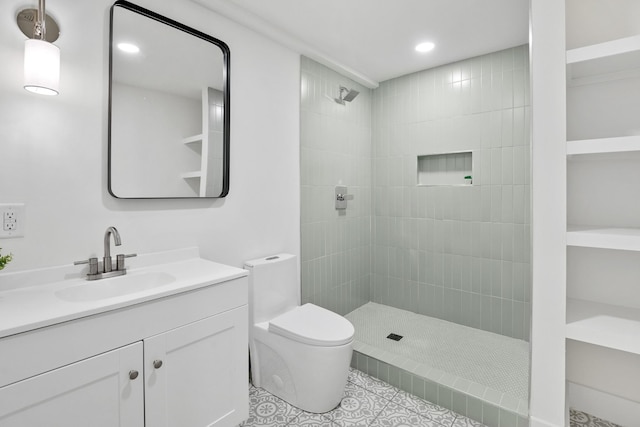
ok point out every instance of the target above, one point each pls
(128, 47)
(425, 47)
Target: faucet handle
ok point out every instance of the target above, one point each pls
(120, 260)
(93, 264)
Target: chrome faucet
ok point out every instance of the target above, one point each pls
(95, 270)
(106, 261)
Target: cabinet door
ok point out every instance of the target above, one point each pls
(95, 392)
(197, 375)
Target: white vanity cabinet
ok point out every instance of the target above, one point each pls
(94, 392)
(179, 360)
(196, 383)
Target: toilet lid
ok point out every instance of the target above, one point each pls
(313, 325)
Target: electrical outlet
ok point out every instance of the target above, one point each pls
(12, 216)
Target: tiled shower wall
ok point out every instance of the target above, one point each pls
(335, 150)
(459, 253)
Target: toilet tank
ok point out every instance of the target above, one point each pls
(273, 286)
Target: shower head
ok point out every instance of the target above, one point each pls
(346, 94)
(350, 96)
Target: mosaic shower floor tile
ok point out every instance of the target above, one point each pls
(499, 363)
(487, 366)
(367, 402)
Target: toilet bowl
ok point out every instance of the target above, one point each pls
(300, 353)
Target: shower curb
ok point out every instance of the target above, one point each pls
(413, 380)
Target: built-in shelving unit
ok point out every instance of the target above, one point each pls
(612, 59)
(610, 326)
(200, 143)
(625, 239)
(207, 144)
(603, 142)
(604, 145)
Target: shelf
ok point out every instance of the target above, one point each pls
(192, 139)
(194, 174)
(445, 169)
(604, 145)
(616, 59)
(626, 239)
(604, 325)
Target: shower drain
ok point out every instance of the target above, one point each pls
(394, 337)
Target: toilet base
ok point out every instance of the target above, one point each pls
(311, 378)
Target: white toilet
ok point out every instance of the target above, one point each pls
(299, 353)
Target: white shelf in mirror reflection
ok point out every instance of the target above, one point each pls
(627, 239)
(617, 59)
(604, 145)
(193, 139)
(605, 325)
(190, 175)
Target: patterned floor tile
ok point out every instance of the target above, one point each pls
(426, 409)
(394, 415)
(582, 419)
(359, 407)
(266, 410)
(466, 422)
(372, 384)
(307, 419)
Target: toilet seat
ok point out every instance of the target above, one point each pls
(313, 325)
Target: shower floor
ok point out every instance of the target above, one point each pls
(491, 367)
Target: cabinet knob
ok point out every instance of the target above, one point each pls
(157, 364)
(133, 375)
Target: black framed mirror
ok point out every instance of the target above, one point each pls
(168, 108)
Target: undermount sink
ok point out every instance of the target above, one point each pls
(116, 286)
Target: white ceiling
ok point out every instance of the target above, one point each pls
(373, 40)
(183, 71)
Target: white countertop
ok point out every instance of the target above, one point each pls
(28, 301)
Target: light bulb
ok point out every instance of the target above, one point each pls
(425, 47)
(128, 47)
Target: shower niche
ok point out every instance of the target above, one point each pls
(446, 169)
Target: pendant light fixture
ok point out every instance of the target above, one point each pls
(41, 57)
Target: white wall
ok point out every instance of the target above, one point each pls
(53, 150)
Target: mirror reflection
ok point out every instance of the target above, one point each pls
(169, 122)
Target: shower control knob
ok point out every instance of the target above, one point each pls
(133, 375)
(157, 364)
